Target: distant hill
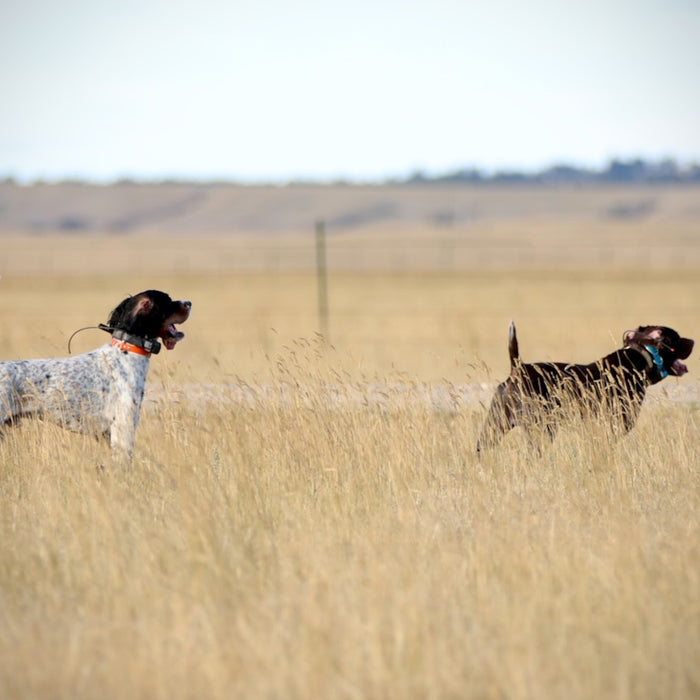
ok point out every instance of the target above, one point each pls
(617, 171)
(623, 191)
(631, 171)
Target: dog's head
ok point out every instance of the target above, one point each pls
(151, 314)
(670, 347)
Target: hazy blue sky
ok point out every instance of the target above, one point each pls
(276, 89)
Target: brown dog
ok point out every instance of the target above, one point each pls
(534, 393)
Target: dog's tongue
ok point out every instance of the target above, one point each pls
(173, 338)
(679, 368)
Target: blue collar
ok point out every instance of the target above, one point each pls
(658, 362)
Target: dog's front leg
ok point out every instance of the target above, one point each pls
(500, 418)
(121, 440)
(122, 430)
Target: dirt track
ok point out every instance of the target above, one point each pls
(442, 397)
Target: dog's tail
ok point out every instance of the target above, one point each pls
(513, 350)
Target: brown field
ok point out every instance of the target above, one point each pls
(305, 520)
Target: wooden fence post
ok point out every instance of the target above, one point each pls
(322, 279)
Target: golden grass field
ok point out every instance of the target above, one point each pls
(289, 546)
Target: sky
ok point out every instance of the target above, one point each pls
(276, 90)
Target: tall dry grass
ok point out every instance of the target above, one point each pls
(432, 326)
(292, 549)
(293, 546)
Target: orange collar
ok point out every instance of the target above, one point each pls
(128, 347)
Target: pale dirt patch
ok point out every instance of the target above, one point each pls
(390, 396)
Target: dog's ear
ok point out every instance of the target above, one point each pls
(143, 307)
(643, 335)
(116, 313)
(130, 310)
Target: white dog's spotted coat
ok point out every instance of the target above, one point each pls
(100, 391)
